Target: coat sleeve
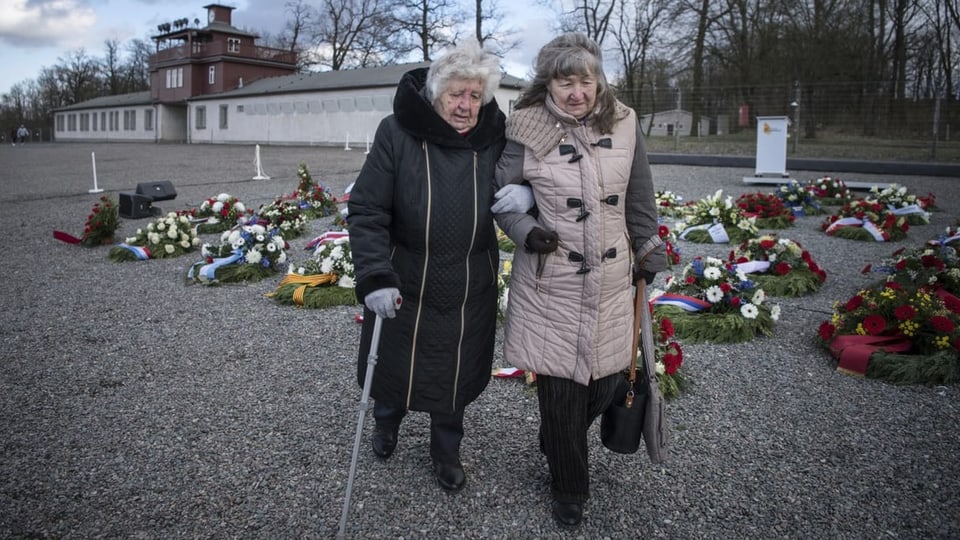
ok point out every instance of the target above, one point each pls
(370, 212)
(641, 211)
(510, 171)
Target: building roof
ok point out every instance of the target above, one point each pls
(383, 76)
(119, 100)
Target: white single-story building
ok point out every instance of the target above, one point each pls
(331, 108)
(664, 123)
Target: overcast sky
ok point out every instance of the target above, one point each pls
(34, 34)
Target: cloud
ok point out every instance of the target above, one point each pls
(44, 23)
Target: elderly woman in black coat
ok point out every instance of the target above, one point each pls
(421, 230)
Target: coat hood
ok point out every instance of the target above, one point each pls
(417, 116)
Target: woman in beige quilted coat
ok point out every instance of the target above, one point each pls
(594, 232)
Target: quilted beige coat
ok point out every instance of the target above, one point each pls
(570, 313)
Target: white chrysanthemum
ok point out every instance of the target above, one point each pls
(154, 238)
(195, 241)
(173, 234)
(161, 225)
(131, 239)
(169, 249)
(205, 205)
(223, 196)
(346, 282)
(714, 294)
(336, 253)
(749, 311)
(239, 207)
(713, 261)
(758, 297)
(254, 256)
(775, 312)
(348, 267)
(326, 266)
(271, 247)
(660, 368)
(185, 244)
(714, 212)
(712, 273)
(279, 241)
(257, 230)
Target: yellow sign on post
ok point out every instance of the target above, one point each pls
(772, 145)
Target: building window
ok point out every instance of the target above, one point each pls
(201, 119)
(114, 120)
(84, 122)
(233, 45)
(212, 76)
(148, 119)
(223, 116)
(59, 122)
(179, 77)
(239, 108)
(129, 120)
(72, 122)
(103, 121)
(93, 119)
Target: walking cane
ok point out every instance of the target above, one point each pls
(364, 399)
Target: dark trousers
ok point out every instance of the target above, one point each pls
(446, 430)
(567, 409)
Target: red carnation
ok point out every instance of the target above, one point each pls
(854, 302)
(725, 287)
(767, 243)
(952, 303)
(892, 285)
(735, 301)
(663, 231)
(672, 359)
(874, 324)
(783, 268)
(666, 329)
(691, 280)
(826, 330)
(942, 324)
(901, 264)
(905, 312)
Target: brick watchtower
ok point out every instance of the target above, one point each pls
(192, 61)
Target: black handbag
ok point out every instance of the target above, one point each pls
(637, 411)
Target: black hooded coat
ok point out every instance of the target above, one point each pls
(419, 220)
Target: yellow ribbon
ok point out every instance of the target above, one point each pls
(312, 280)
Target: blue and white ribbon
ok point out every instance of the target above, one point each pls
(142, 253)
(208, 272)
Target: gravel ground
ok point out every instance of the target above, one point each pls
(135, 406)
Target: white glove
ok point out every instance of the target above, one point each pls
(384, 302)
(513, 198)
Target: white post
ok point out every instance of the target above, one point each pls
(346, 145)
(93, 159)
(260, 175)
(368, 144)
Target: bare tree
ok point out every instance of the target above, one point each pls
(638, 23)
(112, 70)
(77, 73)
(138, 64)
(592, 17)
(489, 27)
(351, 33)
(302, 16)
(432, 23)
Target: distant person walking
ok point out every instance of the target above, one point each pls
(22, 134)
(13, 136)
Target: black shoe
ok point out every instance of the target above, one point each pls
(450, 476)
(384, 441)
(568, 514)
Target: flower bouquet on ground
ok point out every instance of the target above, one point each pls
(669, 358)
(325, 279)
(285, 217)
(780, 266)
(899, 334)
(101, 225)
(169, 236)
(831, 191)
(247, 252)
(503, 288)
(219, 213)
(315, 200)
(504, 241)
(949, 237)
(715, 301)
(935, 266)
(769, 210)
(714, 219)
(866, 221)
(902, 203)
(799, 199)
(670, 205)
(670, 244)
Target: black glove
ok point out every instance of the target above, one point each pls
(541, 241)
(646, 275)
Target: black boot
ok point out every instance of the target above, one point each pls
(568, 514)
(450, 476)
(384, 440)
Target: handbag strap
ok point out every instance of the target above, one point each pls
(646, 330)
(639, 303)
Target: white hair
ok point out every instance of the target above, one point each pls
(466, 61)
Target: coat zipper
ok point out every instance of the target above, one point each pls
(423, 272)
